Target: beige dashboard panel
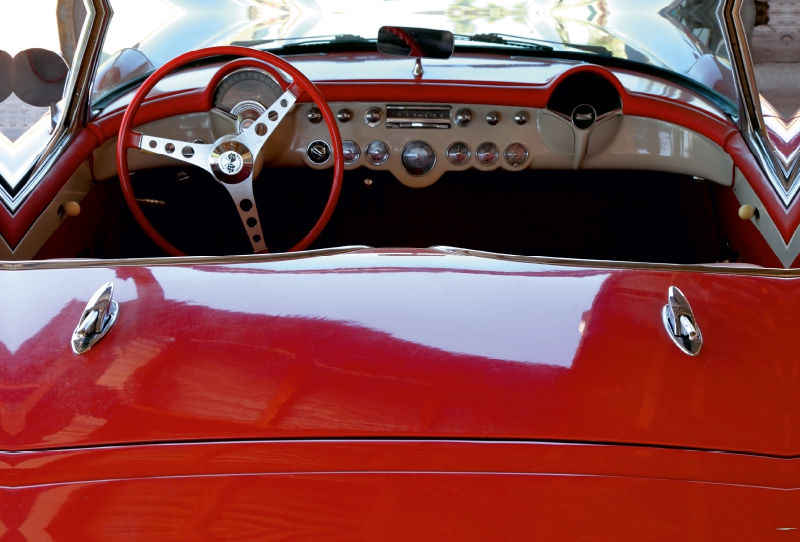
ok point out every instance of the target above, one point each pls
(619, 142)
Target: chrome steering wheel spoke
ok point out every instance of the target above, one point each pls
(242, 195)
(197, 154)
(257, 134)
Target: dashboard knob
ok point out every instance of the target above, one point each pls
(463, 117)
(72, 208)
(373, 116)
(746, 212)
(314, 115)
(521, 117)
(318, 152)
(344, 115)
(492, 117)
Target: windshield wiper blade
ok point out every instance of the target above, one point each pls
(307, 40)
(530, 43)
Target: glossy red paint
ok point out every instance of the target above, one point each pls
(368, 490)
(471, 348)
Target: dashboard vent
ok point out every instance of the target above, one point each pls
(418, 116)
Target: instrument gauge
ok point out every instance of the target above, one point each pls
(377, 152)
(418, 158)
(246, 85)
(516, 154)
(487, 153)
(351, 151)
(458, 153)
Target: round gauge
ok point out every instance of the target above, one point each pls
(458, 153)
(487, 153)
(377, 152)
(351, 151)
(246, 85)
(516, 154)
(318, 151)
(418, 158)
(247, 113)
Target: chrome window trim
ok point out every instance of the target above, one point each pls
(783, 176)
(75, 112)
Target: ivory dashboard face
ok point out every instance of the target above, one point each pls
(418, 143)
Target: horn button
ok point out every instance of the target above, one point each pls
(231, 162)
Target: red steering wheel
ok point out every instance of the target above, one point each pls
(230, 159)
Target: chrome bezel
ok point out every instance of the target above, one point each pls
(370, 160)
(330, 152)
(496, 156)
(358, 153)
(246, 105)
(469, 153)
(403, 155)
(527, 154)
(240, 70)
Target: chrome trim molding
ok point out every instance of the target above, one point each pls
(716, 269)
(782, 174)
(187, 260)
(76, 107)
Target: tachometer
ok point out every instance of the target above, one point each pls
(246, 85)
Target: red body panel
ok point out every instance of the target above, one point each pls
(395, 491)
(389, 344)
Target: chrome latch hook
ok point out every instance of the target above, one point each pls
(680, 323)
(98, 317)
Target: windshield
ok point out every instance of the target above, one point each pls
(683, 37)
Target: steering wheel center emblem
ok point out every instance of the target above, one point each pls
(231, 163)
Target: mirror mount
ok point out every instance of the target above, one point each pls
(418, 71)
(417, 43)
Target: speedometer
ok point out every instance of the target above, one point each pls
(246, 85)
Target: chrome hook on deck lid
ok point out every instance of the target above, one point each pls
(680, 323)
(98, 317)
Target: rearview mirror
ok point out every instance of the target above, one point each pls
(415, 42)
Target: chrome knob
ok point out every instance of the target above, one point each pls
(373, 116)
(521, 117)
(463, 117)
(314, 115)
(344, 115)
(492, 117)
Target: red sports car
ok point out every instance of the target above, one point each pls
(384, 270)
